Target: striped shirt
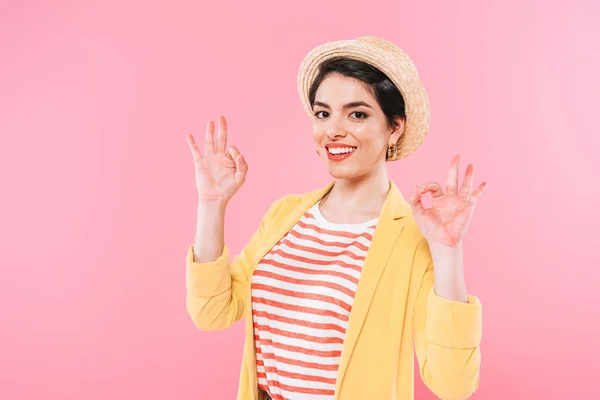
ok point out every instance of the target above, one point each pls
(302, 294)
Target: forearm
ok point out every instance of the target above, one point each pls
(449, 280)
(210, 231)
(447, 335)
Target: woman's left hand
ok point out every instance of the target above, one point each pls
(445, 223)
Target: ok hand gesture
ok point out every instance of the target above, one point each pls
(221, 171)
(446, 222)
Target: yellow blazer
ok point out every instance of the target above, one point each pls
(395, 308)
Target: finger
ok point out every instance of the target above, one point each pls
(477, 193)
(465, 189)
(415, 200)
(452, 183)
(433, 187)
(222, 135)
(194, 148)
(209, 139)
(240, 170)
(232, 152)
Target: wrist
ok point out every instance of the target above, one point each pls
(212, 205)
(442, 251)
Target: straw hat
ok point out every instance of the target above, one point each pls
(394, 63)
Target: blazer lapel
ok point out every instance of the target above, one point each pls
(387, 231)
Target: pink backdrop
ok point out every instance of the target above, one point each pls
(98, 199)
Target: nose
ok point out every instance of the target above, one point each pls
(335, 129)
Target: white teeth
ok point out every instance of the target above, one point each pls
(341, 150)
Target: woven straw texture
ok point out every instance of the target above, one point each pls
(390, 60)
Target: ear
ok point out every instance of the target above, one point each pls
(397, 132)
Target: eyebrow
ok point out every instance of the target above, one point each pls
(346, 106)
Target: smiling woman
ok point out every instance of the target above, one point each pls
(338, 285)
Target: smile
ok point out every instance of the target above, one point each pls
(337, 154)
(340, 150)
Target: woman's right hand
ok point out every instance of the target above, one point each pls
(221, 171)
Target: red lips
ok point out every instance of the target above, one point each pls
(338, 145)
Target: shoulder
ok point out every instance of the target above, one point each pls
(285, 203)
(292, 202)
(282, 202)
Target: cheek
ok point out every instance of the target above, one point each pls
(318, 135)
(368, 138)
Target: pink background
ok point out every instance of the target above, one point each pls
(98, 199)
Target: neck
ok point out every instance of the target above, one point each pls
(364, 193)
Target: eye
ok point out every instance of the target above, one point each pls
(361, 113)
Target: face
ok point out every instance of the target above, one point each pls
(350, 130)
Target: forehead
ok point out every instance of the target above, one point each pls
(336, 88)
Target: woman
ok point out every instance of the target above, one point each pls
(338, 284)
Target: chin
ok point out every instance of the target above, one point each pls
(342, 173)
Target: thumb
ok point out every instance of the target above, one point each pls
(241, 168)
(415, 200)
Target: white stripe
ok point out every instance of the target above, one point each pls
(293, 395)
(302, 329)
(329, 237)
(299, 342)
(319, 280)
(291, 368)
(286, 260)
(325, 320)
(315, 214)
(296, 303)
(293, 355)
(301, 383)
(297, 369)
(350, 246)
(320, 257)
(318, 289)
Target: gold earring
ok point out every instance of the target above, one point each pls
(392, 151)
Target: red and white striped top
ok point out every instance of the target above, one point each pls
(302, 294)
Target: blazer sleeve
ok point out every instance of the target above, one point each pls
(216, 290)
(447, 337)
